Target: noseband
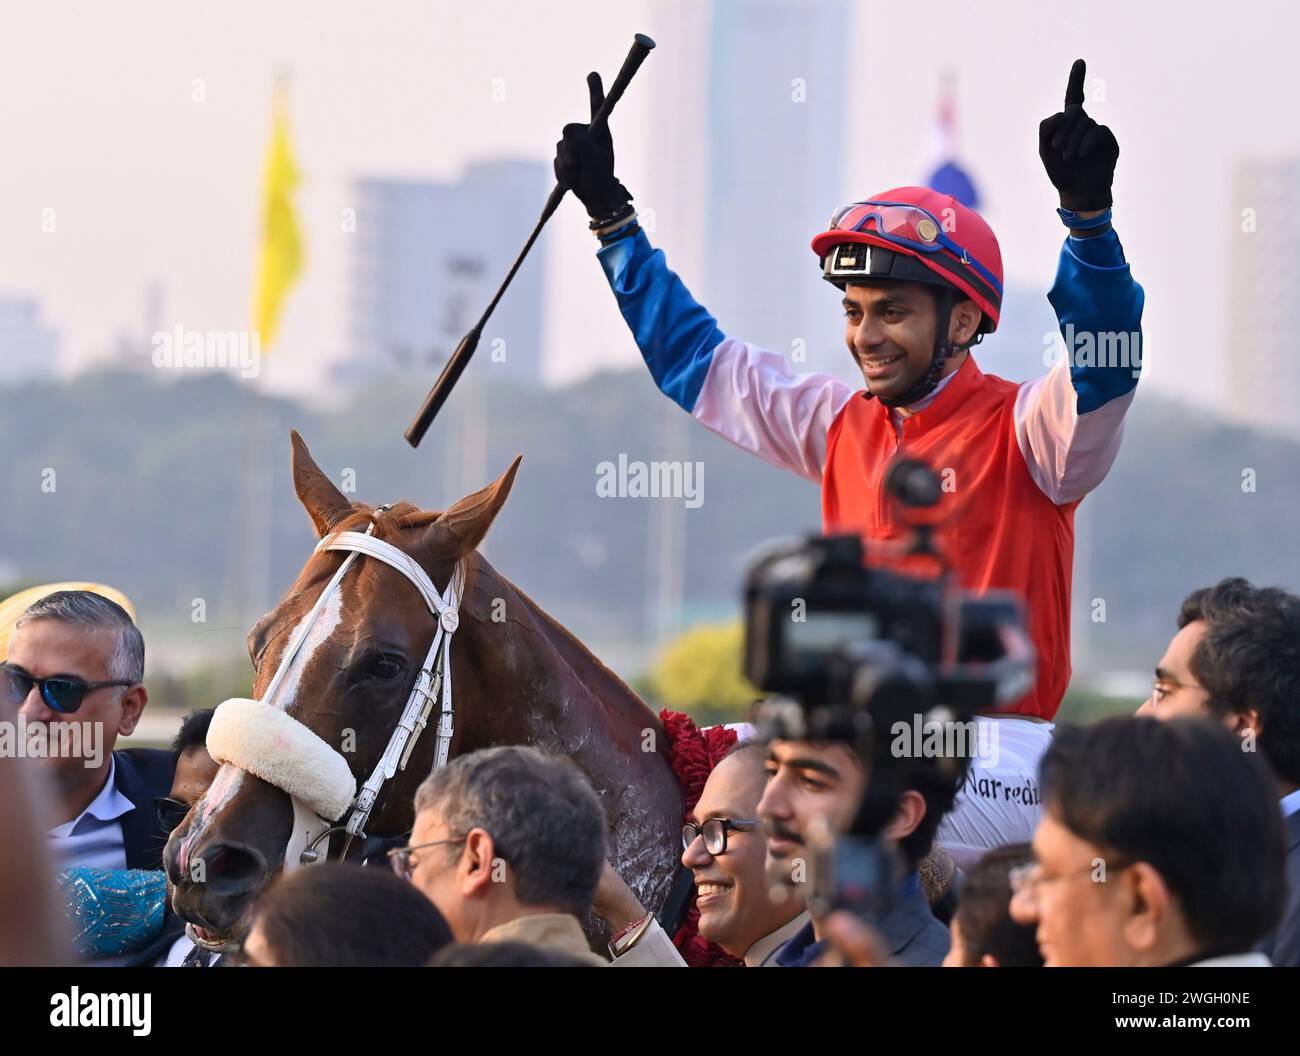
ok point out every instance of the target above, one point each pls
(265, 740)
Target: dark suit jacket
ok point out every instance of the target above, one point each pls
(143, 774)
(1283, 946)
(172, 929)
(915, 937)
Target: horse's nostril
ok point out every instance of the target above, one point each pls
(233, 868)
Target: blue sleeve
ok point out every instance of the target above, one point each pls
(1099, 308)
(675, 334)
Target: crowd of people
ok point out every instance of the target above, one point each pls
(1171, 837)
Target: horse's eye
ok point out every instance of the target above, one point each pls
(385, 668)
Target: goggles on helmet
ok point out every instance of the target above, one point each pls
(903, 225)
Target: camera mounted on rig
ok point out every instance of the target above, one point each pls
(853, 650)
(832, 633)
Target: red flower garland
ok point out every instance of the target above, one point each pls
(693, 753)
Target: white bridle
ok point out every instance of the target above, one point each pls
(264, 740)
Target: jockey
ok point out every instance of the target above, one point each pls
(921, 276)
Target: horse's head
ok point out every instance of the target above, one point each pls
(348, 684)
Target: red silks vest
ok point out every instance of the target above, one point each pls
(999, 530)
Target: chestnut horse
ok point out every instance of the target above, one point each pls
(518, 678)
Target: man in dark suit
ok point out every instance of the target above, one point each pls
(194, 771)
(1283, 947)
(144, 774)
(1234, 660)
(75, 671)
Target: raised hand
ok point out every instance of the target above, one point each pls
(584, 162)
(1078, 154)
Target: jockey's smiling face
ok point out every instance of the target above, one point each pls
(889, 328)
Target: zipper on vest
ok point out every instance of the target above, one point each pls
(883, 517)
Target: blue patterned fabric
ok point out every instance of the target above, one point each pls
(113, 911)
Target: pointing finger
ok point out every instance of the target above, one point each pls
(1074, 90)
(597, 93)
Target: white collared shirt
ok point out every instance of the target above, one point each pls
(94, 837)
(1291, 803)
(763, 953)
(182, 948)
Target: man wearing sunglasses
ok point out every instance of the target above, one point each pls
(920, 276)
(195, 770)
(77, 657)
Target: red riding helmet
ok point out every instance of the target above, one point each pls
(915, 234)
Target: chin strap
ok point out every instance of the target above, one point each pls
(943, 351)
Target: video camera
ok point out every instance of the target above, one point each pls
(853, 651)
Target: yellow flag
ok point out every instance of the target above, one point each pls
(280, 254)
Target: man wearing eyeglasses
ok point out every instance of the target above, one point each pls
(1139, 863)
(920, 276)
(76, 657)
(725, 849)
(508, 843)
(1233, 660)
(195, 770)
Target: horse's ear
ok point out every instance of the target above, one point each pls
(468, 521)
(325, 504)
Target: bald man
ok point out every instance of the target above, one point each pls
(725, 849)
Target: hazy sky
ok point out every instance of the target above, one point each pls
(99, 124)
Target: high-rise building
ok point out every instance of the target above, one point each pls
(746, 113)
(1263, 373)
(29, 349)
(748, 128)
(427, 259)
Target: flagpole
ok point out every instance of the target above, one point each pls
(250, 556)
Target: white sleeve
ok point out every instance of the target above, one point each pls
(751, 397)
(654, 949)
(1068, 453)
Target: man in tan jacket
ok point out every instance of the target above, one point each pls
(725, 849)
(502, 874)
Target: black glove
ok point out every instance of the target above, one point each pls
(584, 162)
(1078, 153)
